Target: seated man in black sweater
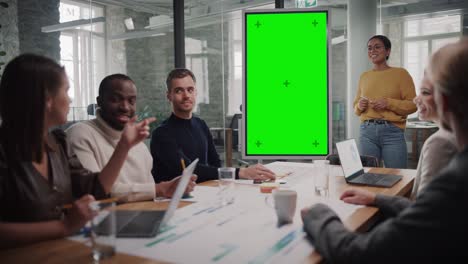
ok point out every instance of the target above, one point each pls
(184, 136)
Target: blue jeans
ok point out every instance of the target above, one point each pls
(385, 142)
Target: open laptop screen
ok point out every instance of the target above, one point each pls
(179, 192)
(349, 157)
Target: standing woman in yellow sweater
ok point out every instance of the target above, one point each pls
(383, 101)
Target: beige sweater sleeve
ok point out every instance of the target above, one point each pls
(436, 153)
(134, 183)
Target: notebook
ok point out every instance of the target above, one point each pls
(139, 223)
(353, 170)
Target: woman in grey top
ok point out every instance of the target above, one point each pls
(38, 172)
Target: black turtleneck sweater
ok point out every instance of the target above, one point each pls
(187, 139)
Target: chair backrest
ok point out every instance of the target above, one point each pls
(367, 161)
(334, 159)
(91, 109)
(235, 130)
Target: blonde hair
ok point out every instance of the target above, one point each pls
(448, 69)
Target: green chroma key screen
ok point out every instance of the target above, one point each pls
(286, 79)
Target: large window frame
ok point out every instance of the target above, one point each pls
(85, 59)
(429, 40)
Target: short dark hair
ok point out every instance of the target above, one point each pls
(178, 73)
(386, 42)
(106, 83)
(26, 82)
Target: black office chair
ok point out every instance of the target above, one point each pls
(367, 161)
(235, 130)
(91, 109)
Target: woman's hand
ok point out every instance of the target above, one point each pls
(358, 196)
(79, 214)
(304, 212)
(167, 188)
(379, 104)
(134, 133)
(363, 104)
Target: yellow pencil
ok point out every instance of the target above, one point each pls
(280, 176)
(182, 163)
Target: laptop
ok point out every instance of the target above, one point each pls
(140, 223)
(353, 170)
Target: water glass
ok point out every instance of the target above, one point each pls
(321, 177)
(227, 176)
(103, 230)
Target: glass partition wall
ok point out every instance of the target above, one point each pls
(96, 38)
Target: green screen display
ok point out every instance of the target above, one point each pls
(286, 95)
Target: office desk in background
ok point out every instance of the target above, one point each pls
(67, 251)
(419, 127)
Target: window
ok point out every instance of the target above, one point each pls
(235, 66)
(423, 37)
(197, 62)
(82, 52)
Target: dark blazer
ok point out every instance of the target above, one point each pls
(432, 229)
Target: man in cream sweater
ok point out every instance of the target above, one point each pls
(94, 141)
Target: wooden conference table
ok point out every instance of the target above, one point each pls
(67, 251)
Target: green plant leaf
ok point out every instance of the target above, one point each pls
(2, 53)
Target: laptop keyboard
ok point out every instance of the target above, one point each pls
(371, 178)
(142, 224)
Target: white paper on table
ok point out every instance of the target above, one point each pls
(231, 234)
(199, 194)
(202, 194)
(243, 232)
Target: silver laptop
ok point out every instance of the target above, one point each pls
(141, 223)
(353, 170)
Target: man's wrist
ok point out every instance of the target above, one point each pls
(242, 173)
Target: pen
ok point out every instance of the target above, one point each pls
(110, 200)
(186, 195)
(182, 163)
(280, 176)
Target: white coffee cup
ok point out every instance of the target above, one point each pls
(285, 204)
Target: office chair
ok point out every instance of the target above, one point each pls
(235, 130)
(367, 161)
(91, 109)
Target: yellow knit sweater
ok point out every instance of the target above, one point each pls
(394, 84)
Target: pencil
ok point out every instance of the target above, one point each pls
(182, 163)
(280, 176)
(109, 200)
